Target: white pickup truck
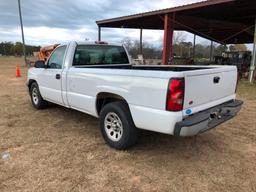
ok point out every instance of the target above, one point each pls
(99, 79)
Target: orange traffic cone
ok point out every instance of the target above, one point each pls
(17, 71)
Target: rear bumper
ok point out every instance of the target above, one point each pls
(208, 119)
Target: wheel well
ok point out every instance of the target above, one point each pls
(30, 82)
(105, 98)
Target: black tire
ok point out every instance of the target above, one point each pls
(40, 103)
(129, 132)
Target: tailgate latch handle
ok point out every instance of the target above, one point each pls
(216, 80)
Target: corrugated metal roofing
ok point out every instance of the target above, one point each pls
(167, 10)
(225, 21)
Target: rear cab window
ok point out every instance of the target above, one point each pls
(100, 55)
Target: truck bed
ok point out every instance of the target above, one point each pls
(147, 67)
(201, 90)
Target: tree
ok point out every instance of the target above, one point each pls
(9, 48)
(238, 47)
(241, 47)
(200, 51)
(220, 49)
(128, 43)
(149, 51)
(183, 49)
(18, 49)
(178, 37)
(5, 48)
(232, 48)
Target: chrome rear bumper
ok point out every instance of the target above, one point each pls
(208, 119)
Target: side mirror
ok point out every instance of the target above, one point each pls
(40, 64)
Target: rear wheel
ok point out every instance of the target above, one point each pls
(117, 126)
(36, 98)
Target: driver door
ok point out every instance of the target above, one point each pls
(51, 77)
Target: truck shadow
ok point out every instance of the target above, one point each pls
(195, 149)
(148, 139)
(150, 142)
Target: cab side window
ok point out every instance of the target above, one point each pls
(57, 58)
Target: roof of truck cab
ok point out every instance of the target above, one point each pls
(94, 43)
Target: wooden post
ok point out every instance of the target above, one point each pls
(22, 34)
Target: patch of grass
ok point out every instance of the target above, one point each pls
(246, 89)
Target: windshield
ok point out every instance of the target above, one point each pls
(100, 55)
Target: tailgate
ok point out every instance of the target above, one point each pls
(209, 85)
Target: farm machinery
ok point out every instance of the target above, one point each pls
(45, 52)
(241, 59)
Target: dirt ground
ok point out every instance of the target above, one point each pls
(59, 149)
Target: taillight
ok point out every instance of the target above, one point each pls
(175, 95)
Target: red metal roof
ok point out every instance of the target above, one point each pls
(225, 21)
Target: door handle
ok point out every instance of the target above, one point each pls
(57, 76)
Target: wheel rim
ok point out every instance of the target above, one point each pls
(113, 126)
(35, 95)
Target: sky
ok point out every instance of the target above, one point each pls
(55, 21)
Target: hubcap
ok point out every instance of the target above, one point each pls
(35, 96)
(113, 126)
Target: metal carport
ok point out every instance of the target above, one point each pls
(222, 21)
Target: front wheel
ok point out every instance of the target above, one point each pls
(36, 98)
(117, 126)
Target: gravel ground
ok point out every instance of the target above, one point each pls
(59, 149)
